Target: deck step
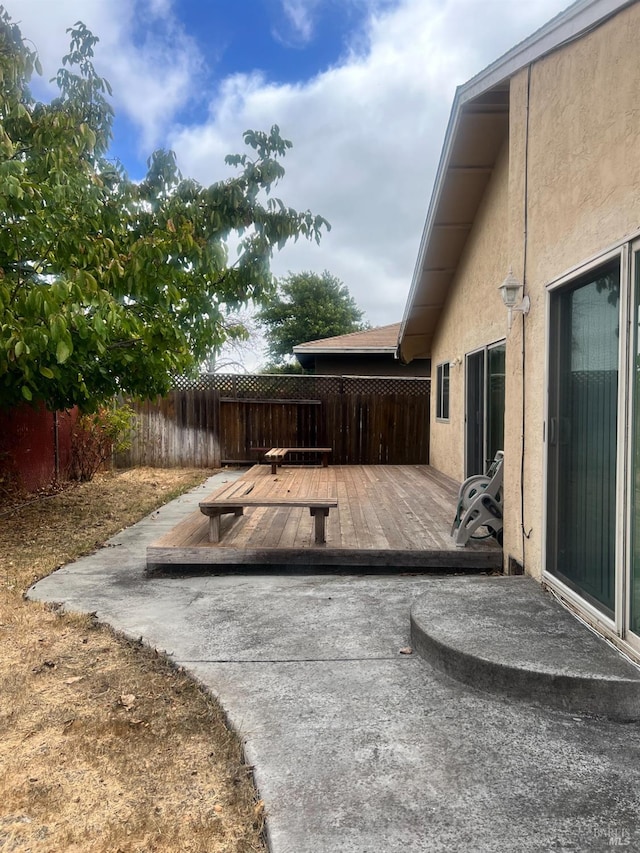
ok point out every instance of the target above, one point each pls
(506, 635)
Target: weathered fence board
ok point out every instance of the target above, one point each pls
(181, 430)
(366, 420)
(248, 424)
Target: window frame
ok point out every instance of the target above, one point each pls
(443, 391)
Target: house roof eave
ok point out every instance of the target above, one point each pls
(307, 350)
(429, 282)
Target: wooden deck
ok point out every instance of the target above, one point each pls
(395, 516)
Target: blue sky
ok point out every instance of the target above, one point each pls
(363, 88)
(286, 44)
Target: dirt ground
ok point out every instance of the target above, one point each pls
(104, 746)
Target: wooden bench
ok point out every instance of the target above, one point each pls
(277, 455)
(216, 506)
(235, 497)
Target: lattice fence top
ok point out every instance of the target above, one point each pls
(295, 387)
(416, 386)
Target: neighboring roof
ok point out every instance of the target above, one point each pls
(478, 127)
(383, 339)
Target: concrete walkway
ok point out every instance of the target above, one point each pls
(358, 748)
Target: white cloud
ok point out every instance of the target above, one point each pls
(367, 136)
(154, 81)
(152, 70)
(367, 133)
(299, 15)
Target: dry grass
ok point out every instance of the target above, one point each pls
(103, 745)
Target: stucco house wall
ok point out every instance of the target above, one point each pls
(555, 122)
(581, 159)
(565, 187)
(473, 315)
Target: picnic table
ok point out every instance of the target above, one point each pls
(277, 455)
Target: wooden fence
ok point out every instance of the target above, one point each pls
(220, 419)
(35, 446)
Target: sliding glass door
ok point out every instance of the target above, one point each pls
(633, 603)
(593, 442)
(496, 358)
(485, 402)
(475, 406)
(582, 435)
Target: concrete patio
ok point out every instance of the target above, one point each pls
(359, 747)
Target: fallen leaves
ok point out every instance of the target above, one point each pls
(128, 701)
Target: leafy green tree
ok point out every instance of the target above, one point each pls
(108, 286)
(287, 368)
(307, 307)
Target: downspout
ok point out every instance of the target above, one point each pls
(525, 534)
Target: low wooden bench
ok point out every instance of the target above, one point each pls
(215, 507)
(277, 455)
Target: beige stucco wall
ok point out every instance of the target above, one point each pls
(473, 315)
(575, 134)
(583, 195)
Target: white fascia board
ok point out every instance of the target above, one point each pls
(450, 135)
(566, 27)
(301, 349)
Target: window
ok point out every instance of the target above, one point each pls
(442, 391)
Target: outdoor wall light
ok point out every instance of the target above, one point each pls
(510, 290)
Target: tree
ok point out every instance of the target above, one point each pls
(307, 307)
(240, 347)
(106, 285)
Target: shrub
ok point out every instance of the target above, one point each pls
(96, 437)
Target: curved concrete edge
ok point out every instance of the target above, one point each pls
(605, 695)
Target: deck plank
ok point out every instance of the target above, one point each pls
(372, 529)
(289, 533)
(398, 533)
(405, 513)
(386, 516)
